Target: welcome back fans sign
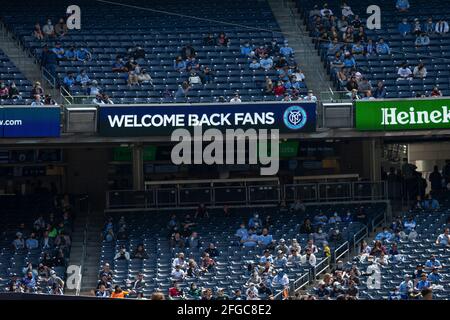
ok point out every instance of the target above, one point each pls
(151, 120)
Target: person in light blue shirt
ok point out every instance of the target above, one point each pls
(83, 78)
(358, 48)
(69, 80)
(266, 62)
(435, 277)
(265, 239)
(280, 261)
(255, 222)
(382, 47)
(409, 224)
(431, 203)
(320, 219)
(32, 242)
(83, 54)
(402, 5)
(246, 50)
(254, 64)
(423, 282)
(251, 240)
(70, 54)
(335, 218)
(384, 235)
(286, 50)
(349, 61)
(267, 257)
(404, 27)
(433, 263)
(405, 288)
(422, 40)
(59, 51)
(241, 232)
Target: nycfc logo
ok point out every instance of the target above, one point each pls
(295, 117)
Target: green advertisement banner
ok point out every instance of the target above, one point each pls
(390, 115)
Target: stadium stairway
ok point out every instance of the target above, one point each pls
(86, 249)
(294, 30)
(25, 62)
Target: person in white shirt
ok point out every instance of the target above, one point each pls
(236, 99)
(37, 101)
(48, 29)
(98, 100)
(251, 295)
(178, 273)
(325, 11)
(346, 10)
(280, 280)
(299, 76)
(404, 72)
(444, 238)
(194, 78)
(310, 96)
(309, 258)
(123, 254)
(442, 27)
(179, 261)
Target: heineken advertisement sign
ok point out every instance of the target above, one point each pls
(386, 115)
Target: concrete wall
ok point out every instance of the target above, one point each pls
(428, 154)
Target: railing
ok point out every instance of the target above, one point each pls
(301, 282)
(320, 268)
(341, 251)
(335, 96)
(359, 236)
(333, 191)
(378, 221)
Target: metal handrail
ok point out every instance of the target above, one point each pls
(337, 256)
(83, 252)
(357, 239)
(316, 270)
(297, 287)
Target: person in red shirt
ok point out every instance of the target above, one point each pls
(279, 89)
(175, 291)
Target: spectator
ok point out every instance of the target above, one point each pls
(179, 64)
(402, 5)
(32, 242)
(48, 29)
(209, 40)
(404, 28)
(286, 50)
(404, 72)
(247, 50)
(309, 258)
(4, 91)
(83, 78)
(188, 52)
(59, 51)
(417, 28)
(346, 10)
(384, 235)
(266, 62)
(358, 48)
(279, 90)
(236, 98)
(37, 101)
(422, 40)
(178, 273)
(382, 47)
(281, 280)
(140, 253)
(207, 75)
(349, 61)
(207, 263)
(434, 277)
(69, 80)
(194, 78)
(177, 241)
(118, 293)
(254, 65)
(306, 227)
(251, 240)
(268, 86)
(380, 91)
(435, 179)
(212, 251)
(223, 40)
(179, 261)
(442, 27)
(122, 254)
(241, 232)
(70, 55)
(429, 27)
(98, 100)
(255, 222)
(83, 54)
(406, 288)
(370, 48)
(37, 32)
(433, 263)
(29, 282)
(18, 242)
(61, 28)
(260, 51)
(420, 72)
(193, 241)
(144, 77)
(436, 92)
(319, 236)
(431, 203)
(119, 66)
(423, 283)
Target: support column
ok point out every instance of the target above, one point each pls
(138, 167)
(372, 159)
